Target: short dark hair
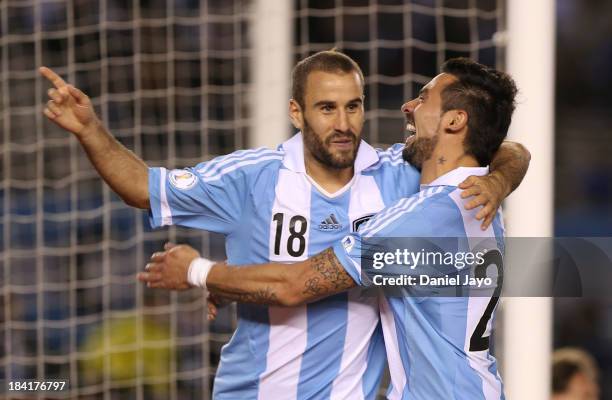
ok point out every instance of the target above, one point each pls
(487, 95)
(326, 61)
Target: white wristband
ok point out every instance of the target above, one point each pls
(198, 271)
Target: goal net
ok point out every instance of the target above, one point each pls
(168, 78)
(171, 80)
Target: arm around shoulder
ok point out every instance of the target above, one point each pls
(510, 164)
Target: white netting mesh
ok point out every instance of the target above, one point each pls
(170, 79)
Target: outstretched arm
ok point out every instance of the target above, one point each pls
(72, 110)
(275, 284)
(507, 170)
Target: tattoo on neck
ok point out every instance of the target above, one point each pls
(441, 160)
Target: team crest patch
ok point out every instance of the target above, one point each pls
(348, 242)
(182, 179)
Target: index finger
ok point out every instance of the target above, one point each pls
(52, 77)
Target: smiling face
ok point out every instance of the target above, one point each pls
(332, 117)
(424, 119)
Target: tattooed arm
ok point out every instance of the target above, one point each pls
(277, 284)
(280, 284)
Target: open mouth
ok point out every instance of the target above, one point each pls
(410, 125)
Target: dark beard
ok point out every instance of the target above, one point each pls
(320, 150)
(418, 150)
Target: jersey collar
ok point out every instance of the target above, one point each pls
(294, 155)
(457, 175)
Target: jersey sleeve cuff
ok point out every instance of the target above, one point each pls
(352, 267)
(157, 198)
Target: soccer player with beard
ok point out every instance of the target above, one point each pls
(438, 347)
(283, 205)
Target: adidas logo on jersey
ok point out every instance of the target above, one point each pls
(330, 223)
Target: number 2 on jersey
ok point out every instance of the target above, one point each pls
(295, 237)
(479, 342)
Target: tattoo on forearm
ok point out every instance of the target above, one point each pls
(331, 276)
(441, 160)
(261, 296)
(313, 287)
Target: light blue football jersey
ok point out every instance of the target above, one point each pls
(437, 347)
(270, 210)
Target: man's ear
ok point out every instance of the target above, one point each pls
(296, 115)
(455, 121)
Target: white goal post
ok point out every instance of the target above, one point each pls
(527, 323)
(272, 63)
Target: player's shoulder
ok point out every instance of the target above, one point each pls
(397, 177)
(393, 150)
(390, 159)
(439, 203)
(405, 216)
(240, 162)
(434, 199)
(445, 211)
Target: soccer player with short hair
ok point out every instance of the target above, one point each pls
(438, 347)
(284, 205)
